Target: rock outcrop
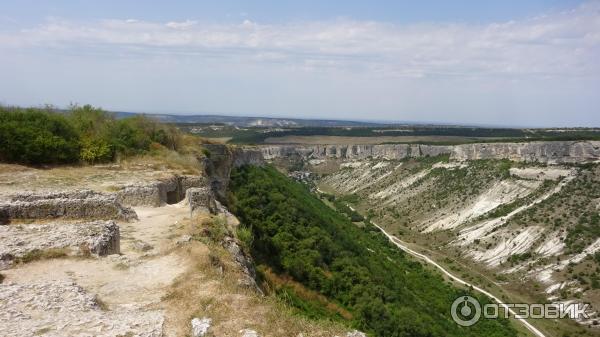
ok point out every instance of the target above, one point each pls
(201, 199)
(158, 193)
(244, 261)
(84, 204)
(223, 159)
(99, 238)
(543, 152)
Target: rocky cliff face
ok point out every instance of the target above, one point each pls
(222, 159)
(544, 152)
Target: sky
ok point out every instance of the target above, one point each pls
(504, 63)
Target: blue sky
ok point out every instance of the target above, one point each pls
(477, 62)
(34, 11)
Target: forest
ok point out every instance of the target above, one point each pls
(329, 268)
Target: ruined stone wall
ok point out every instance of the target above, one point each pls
(84, 204)
(158, 193)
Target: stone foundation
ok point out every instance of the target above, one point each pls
(83, 204)
(99, 238)
(159, 193)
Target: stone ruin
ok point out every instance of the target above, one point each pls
(98, 238)
(84, 204)
(159, 193)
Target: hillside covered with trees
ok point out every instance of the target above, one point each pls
(329, 268)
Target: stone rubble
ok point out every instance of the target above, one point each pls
(57, 309)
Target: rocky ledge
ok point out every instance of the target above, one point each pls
(66, 309)
(551, 152)
(20, 241)
(84, 204)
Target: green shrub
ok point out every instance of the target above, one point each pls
(35, 136)
(87, 134)
(245, 235)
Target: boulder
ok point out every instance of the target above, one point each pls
(249, 333)
(201, 199)
(200, 326)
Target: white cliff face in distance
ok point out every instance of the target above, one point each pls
(552, 152)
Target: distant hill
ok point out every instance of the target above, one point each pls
(251, 121)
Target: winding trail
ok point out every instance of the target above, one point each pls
(405, 248)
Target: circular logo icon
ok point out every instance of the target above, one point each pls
(466, 310)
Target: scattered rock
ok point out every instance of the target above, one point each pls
(249, 333)
(184, 239)
(200, 326)
(355, 333)
(141, 246)
(66, 309)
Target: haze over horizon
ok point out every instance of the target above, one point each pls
(510, 63)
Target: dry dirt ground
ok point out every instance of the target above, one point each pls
(101, 178)
(159, 282)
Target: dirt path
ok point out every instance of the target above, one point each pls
(405, 248)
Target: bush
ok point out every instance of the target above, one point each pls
(87, 134)
(34, 136)
(245, 235)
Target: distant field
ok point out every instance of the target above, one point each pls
(442, 135)
(313, 140)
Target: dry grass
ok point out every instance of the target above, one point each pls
(276, 282)
(211, 288)
(46, 254)
(103, 178)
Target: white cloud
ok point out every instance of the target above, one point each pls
(558, 44)
(181, 25)
(540, 71)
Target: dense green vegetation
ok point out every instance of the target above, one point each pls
(355, 269)
(44, 136)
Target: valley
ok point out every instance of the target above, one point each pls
(176, 234)
(522, 229)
